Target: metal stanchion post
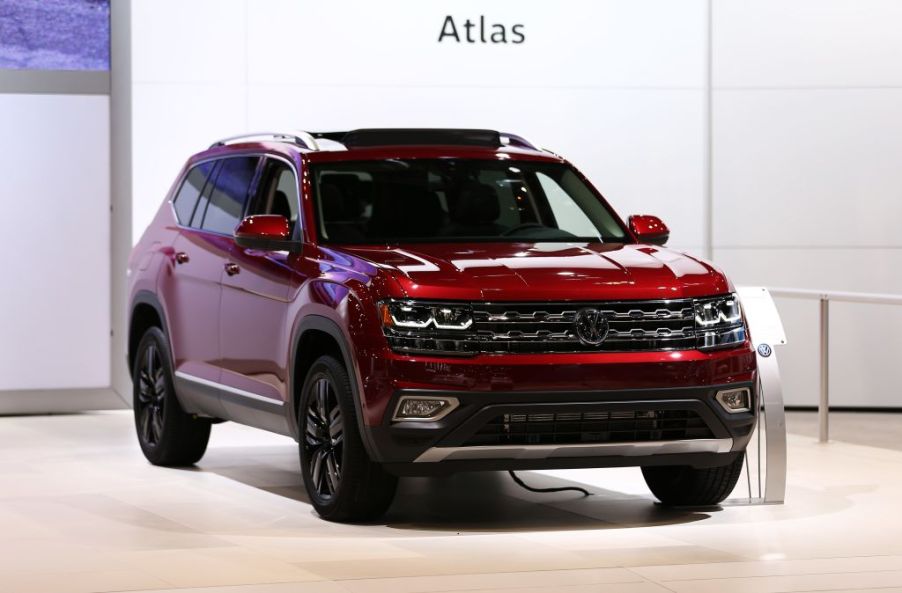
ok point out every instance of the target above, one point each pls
(823, 408)
(767, 333)
(775, 425)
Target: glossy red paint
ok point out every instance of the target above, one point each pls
(242, 329)
(385, 372)
(543, 271)
(649, 229)
(264, 226)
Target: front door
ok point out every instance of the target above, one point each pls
(254, 325)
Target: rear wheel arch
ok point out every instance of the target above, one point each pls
(146, 312)
(315, 336)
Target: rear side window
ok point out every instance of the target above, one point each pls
(229, 194)
(186, 200)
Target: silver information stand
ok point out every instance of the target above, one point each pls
(767, 333)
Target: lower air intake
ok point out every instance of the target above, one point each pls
(557, 428)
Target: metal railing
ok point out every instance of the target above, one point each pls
(824, 297)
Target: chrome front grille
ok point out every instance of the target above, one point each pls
(632, 326)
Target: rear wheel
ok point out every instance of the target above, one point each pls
(167, 435)
(683, 485)
(342, 482)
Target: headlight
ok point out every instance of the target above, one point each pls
(420, 327)
(718, 322)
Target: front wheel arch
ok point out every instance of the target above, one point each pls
(314, 336)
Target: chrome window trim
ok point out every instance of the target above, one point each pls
(228, 388)
(518, 452)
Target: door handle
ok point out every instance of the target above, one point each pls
(182, 258)
(232, 269)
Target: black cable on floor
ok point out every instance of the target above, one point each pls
(523, 484)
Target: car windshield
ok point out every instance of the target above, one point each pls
(458, 200)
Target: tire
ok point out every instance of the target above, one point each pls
(682, 485)
(168, 436)
(343, 484)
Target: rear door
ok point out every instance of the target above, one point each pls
(254, 321)
(192, 289)
(193, 293)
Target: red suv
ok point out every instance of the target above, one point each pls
(425, 301)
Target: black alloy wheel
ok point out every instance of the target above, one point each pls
(167, 434)
(151, 400)
(324, 438)
(342, 482)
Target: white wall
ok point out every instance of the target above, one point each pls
(55, 295)
(808, 176)
(805, 122)
(616, 85)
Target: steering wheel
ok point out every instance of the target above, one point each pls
(521, 227)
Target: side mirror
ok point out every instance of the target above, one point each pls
(268, 232)
(649, 229)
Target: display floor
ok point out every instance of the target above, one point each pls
(81, 511)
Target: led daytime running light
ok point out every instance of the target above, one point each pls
(414, 316)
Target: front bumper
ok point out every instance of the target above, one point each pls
(458, 441)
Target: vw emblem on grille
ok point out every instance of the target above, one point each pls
(591, 326)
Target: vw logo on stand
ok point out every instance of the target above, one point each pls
(591, 326)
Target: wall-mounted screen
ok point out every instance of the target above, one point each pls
(55, 34)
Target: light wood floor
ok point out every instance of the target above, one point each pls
(81, 511)
(862, 428)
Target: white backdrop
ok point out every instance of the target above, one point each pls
(619, 93)
(807, 177)
(805, 124)
(55, 262)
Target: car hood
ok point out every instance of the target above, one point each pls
(543, 271)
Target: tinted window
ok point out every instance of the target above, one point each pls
(201, 207)
(193, 185)
(277, 193)
(458, 200)
(229, 194)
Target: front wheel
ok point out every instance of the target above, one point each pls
(683, 485)
(342, 482)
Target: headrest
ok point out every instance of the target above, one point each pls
(406, 210)
(332, 202)
(280, 204)
(477, 203)
(341, 197)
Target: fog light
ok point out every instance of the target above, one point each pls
(422, 408)
(735, 400)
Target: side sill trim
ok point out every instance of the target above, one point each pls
(436, 454)
(227, 388)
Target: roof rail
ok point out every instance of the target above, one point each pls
(408, 136)
(299, 137)
(384, 137)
